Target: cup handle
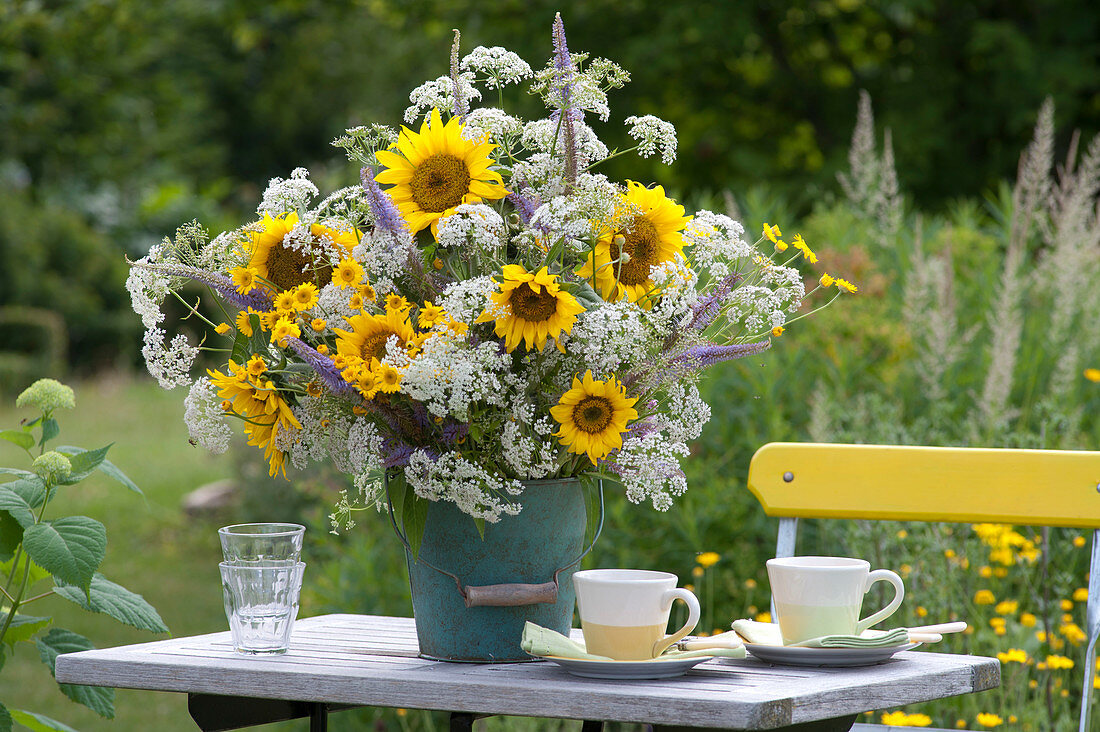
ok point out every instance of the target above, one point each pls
(693, 617)
(882, 575)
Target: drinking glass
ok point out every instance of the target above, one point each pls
(261, 603)
(261, 542)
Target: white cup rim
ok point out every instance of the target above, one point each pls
(617, 576)
(260, 565)
(819, 563)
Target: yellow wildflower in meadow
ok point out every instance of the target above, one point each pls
(984, 597)
(901, 719)
(1013, 655)
(1057, 663)
(1078, 541)
(988, 720)
(764, 617)
(1081, 594)
(1093, 375)
(707, 559)
(1028, 620)
(1067, 605)
(1007, 607)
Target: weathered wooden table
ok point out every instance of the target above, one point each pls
(342, 661)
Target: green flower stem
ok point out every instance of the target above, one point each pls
(45, 594)
(16, 600)
(192, 309)
(5, 593)
(613, 155)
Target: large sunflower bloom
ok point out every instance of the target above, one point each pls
(651, 237)
(437, 170)
(369, 335)
(529, 307)
(287, 267)
(593, 416)
(264, 411)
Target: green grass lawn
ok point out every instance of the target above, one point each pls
(153, 548)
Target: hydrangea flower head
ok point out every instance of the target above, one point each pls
(47, 395)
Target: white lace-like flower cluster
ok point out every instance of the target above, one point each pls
(499, 65)
(168, 362)
(496, 124)
(476, 491)
(205, 418)
(653, 134)
(440, 94)
(291, 194)
(449, 376)
(716, 240)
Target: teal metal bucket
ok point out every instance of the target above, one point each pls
(472, 596)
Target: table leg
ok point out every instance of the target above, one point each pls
(214, 713)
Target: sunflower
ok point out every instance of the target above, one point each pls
(593, 416)
(369, 335)
(436, 170)
(286, 266)
(650, 237)
(530, 307)
(263, 410)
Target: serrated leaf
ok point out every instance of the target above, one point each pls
(239, 352)
(106, 467)
(5, 717)
(36, 574)
(24, 627)
(32, 490)
(39, 722)
(84, 462)
(116, 601)
(11, 535)
(70, 548)
(50, 430)
(15, 471)
(17, 506)
(100, 700)
(17, 437)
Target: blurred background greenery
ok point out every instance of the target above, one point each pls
(121, 119)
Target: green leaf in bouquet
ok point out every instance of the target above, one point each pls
(23, 439)
(99, 699)
(38, 722)
(554, 253)
(70, 548)
(239, 352)
(5, 716)
(50, 430)
(414, 515)
(106, 467)
(17, 506)
(116, 601)
(585, 295)
(24, 627)
(83, 461)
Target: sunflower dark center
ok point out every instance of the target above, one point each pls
(643, 244)
(287, 268)
(592, 414)
(374, 346)
(533, 306)
(439, 183)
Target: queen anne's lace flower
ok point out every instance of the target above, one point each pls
(290, 194)
(205, 417)
(653, 134)
(440, 94)
(492, 123)
(499, 65)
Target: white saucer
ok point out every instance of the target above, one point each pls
(657, 668)
(788, 656)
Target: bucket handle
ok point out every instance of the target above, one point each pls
(504, 595)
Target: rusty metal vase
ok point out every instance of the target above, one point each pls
(471, 596)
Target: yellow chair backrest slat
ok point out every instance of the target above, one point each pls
(1029, 487)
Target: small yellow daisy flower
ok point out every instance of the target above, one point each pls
(772, 233)
(396, 302)
(285, 301)
(845, 285)
(244, 278)
(355, 302)
(222, 328)
(368, 293)
(778, 330)
(1081, 594)
(1007, 607)
(283, 329)
(305, 296)
(1067, 605)
(388, 378)
(256, 366)
(986, 719)
(348, 273)
(781, 246)
(800, 245)
(322, 349)
(1028, 620)
(318, 324)
(827, 280)
(429, 315)
(984, 597)
(1093, 375)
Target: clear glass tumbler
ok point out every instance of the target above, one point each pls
(261, 542)
(261, 603)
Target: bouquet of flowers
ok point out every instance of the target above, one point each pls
(483, 309)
